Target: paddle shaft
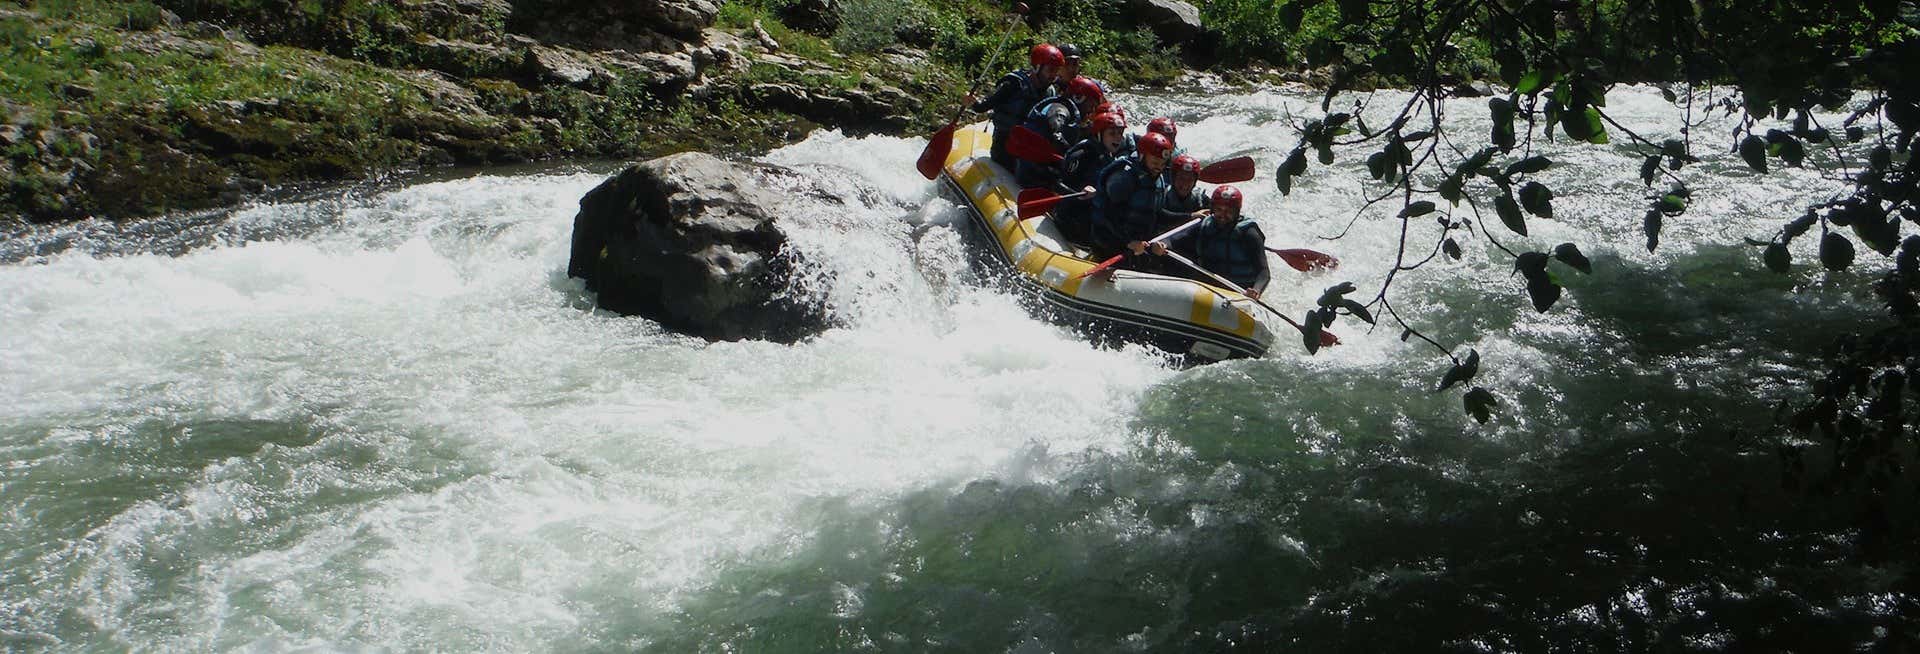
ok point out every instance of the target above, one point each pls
(988, 70)
(1236, 288)
(1115, 259)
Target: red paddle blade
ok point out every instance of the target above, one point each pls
(1036, 201)
(1305, 260)
(1237, 169)
(934, 157)
(1109, 263)
(1327, 339)
(1029, 145)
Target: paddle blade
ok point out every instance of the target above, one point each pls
(1029, 145)
(1327, 339)
(1036, 201)
(1237, 169)
(1305, 260)
(934, 157)
(1109, 263)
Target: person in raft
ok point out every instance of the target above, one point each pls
(1064, 120)
(1182, 201)
(1080, 170)
(1163, 126)
(1125, 199)
(1228, 244)
(1015, 96)
(1074, 54)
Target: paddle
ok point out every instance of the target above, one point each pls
(940, 144)
(1327, 339)
(1115, 259)
(1036, 201)
(1237, 169)
(1305, 260)
(1035, 147)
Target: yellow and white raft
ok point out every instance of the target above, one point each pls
(1179, 315)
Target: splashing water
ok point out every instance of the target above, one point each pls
(389, 419)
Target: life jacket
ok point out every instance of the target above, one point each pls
(1235, 252)
(1171, 202)
(1016, 105)
(1123, 204)
(1083, 163)
(1057, 118)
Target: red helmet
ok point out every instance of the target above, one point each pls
(1153, 144)
(1106, 121)
(1046, 55)
(1162, 125)
(1226, 196)
(1082, 87)
(1186, 164)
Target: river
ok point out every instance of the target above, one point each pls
(386, 420)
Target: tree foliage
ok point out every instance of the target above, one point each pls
(1791, 61)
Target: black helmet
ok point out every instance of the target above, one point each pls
(1070, 50)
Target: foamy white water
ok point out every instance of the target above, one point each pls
(389, 420)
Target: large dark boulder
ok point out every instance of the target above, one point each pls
(1174, 21)
(694, 242)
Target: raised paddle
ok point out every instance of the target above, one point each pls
(1115, 259)
(1327, 339)
(940, 144)
(1036, 201)
(1237, 169)
(1032, 146)
(1305, 260)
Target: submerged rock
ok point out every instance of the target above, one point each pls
(694, 242)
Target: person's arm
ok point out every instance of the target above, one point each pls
(1008, 86)
(1258, 241)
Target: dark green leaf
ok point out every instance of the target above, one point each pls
(1754, 150)
(1480, 403)
(1451, 248)
(1880, 158)
(1310, 332)
(1671, 204)
(1461, 372)
(1509, 212)
(1417, 209)
(1533, 81)
(1856, 134)
(1543, 292)
(1417, 137)
(1596, 127)
(1538, 199)
(1377, 165)
(1800, 225)
(1836, 252)
(1358, 310)
(1531, 264)
(1651, 225)
(1792, 152)
(1569, 254)
(1528, 166)
(1650, 168)
(1451, 188)
(1296, 163)
(1777, 258)
(1326, 155)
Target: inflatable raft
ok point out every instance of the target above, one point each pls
(1179, 315)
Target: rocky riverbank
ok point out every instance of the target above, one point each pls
(128, 109)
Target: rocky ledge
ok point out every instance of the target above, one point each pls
(695, 243)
